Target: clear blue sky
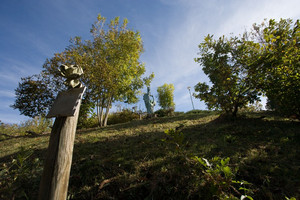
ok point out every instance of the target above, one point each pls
(33, 30)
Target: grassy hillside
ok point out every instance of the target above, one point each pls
(137, 160)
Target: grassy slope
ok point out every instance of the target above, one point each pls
(129, 161)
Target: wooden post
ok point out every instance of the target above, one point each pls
(55, 178)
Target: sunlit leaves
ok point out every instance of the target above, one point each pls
(277, 68)
(222, 61)
(166, 96)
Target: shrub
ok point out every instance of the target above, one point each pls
(165, 112)
(197, 112)
(37, 125)
(32, 126)
(166, 96)
(125, 115)
(90, 122)
(206, 178)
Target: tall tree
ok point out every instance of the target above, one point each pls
(34, 95)
(166, 96)
(112, 70)
(275, 66)
(230, 89)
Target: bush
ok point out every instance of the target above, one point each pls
(8, 128)
(37, 125)
(164, 112)
(125, 115)
(197, 112)
(32, 126)
(211, 178)
(90, 122)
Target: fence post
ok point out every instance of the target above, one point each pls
(57, 166)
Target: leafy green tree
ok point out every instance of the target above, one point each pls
(166, 96)
(34, 95)
(275, 66)
(110, 61)
(230, 89)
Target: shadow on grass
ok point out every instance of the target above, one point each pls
(4, 136)
(140, 165)
(266, 152)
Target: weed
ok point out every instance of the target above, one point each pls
(210, 178)
(20, 178)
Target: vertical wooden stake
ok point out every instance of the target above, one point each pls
(55, 177)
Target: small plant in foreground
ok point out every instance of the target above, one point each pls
(213, 178)
(20, 177)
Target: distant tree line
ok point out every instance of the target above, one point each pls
(262, 61)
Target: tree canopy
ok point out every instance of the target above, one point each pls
(230, 89)
(110, 61)
(166, 96)
(275, 63)
(34, 95)
(264, 60)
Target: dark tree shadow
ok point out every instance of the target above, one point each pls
(142, 166)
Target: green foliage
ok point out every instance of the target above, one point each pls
(87, 116)
(37, 125)
(89, 122)
(174, 137)
(164, 112)
(147, 80)
(230, 89)
(218, 179)
(274, 64)
(8, 129)
(264, 60)
(110, 61)
(292, 198)
(34, 96)
(121, 117)
(20, 178)
(198, 112)
(31, 127)
(166, 96)
(213, 178)
(111, 65)
(254, 107)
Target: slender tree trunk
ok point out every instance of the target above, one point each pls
(235, 111)
(101, 116)
(107, 111)
(98, 113)
(106, 116)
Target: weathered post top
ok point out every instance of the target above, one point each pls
(72, 73)
(66, 102)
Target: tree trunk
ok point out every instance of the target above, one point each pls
(106, 116)
(234, 113)
(107, 112)
(100, 114)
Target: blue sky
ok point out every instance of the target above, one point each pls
(33, 30)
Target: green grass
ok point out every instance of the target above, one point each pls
(130, 160)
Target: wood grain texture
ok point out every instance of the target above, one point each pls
(55, 178)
